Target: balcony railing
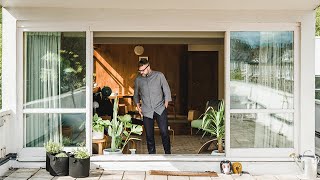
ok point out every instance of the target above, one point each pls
(5, 117)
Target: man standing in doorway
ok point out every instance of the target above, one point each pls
(151, 87)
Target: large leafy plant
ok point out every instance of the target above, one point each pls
(214, 124)
(121, 128)
(98, 124)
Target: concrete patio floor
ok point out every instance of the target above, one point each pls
(100, 174)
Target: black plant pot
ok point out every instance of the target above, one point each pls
(48, 167)
(47, 161)
(59, 166)
(79, 168)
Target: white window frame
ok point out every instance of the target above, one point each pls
(32, 153)
(37, 153)
(317, 89)
(264, 152)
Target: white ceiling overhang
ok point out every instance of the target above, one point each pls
(168, 4)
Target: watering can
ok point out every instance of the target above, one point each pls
(308, 165)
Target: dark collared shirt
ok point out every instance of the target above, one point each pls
(153, 90)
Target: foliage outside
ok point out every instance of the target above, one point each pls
(0, 57)
(73, 72)
(318, 22)
(53, 147)
(213, 123)
(120, 127)
(236, 74)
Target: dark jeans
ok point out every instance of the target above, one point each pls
(162, 121)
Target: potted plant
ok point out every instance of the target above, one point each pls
(120, 130)
(52, 148)
(98, 127)
(213, 123)
(59, 164)
(79, 163)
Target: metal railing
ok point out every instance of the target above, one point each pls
(5, 117)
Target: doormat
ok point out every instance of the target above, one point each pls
(183, 173)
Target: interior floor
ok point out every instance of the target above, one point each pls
(181, 140)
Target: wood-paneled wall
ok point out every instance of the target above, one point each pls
(115, 66)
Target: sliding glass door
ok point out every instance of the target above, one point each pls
(262, 91)
(54, 88)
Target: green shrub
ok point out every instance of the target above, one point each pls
(62, 154)
(53, 147)
(66, 141)
(81, 153)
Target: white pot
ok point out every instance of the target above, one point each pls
(109, 152)
(97, 135)
(216, 153)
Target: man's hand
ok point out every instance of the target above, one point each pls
(166, 104)
(139, 109)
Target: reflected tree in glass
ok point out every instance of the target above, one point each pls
(73, 60)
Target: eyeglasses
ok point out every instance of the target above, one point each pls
(143, 69)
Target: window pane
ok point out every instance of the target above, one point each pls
(67, 128)
(318, 94)
(55, 66)
(317, 82)
(261, 130)
(261, 67)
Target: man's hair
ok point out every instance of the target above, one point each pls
(143, 61)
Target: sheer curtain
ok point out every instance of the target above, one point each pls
(42, 82)
(276, 76)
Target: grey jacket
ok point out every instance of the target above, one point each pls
(152, 90)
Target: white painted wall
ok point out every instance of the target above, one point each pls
(151, 20)
(64, 19)
(168, 4)
(9, 79)
(307, 96)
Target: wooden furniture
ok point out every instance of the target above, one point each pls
(173, 105)
(170, 130)
(102, 143)
(123, 108)
(195, 117)
(113, 96)
(132, 144)
(67, 131)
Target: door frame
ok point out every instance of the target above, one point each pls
(37, 153)
(30, 152)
